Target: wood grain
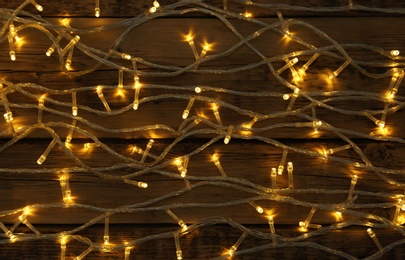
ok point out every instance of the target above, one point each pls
(157, 41)
(310, 172)
(206, 243)
(130, 8)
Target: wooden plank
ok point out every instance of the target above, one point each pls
(254, 80)
(206, 243)
(170, 48)
(247, 161)
(132, 8)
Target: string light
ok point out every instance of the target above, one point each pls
(70, 133)
(137, 90)
(351, 190)
(102, 98)
(290, 168)
(37, 6)
(140, 184)
(256, 207)
(217, 163)
(80, 126)
(371, 233)
(280, 168)
(127, 252)
(216, 114)
(273, 178)
(148, 146)
(178, 220)
(42, 158)
(65, 187)
(272, 229)
(84, 253)
(339, 70)
(63, 242)
(179, 253)
(306, 224)
(40, 107)
(72, 42)
(97, 9)
(187, 110)
(235, 246)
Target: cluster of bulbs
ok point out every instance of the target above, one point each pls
(189, 128)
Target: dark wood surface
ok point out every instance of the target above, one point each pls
(19, 189)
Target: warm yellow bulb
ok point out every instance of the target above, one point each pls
(395, 52)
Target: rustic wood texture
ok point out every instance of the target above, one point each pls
(162, 41)
(311, 172)
(174, 48)
(207, 243)
(116, 8)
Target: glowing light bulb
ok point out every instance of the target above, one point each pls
(379, 123)
(70, 133)
(282, 162)
(137, 87)
(120, 79)
(372, 235)
(197, 90)
(65, 187)
(69, 58)
(13, 33)
(42, 158)
(339, 70)
(179, 253)
(351, 190)
(190, 39)
(140, 184)
(293, 98)
(305, 224)
(178, 220)
(309, 62)
(289, 64)
(156, 4)
(216, 114)
(394, 53)
(106, 236)
(88, 146)
(233, 249)
(205, 49)
(270, 220)
(63, 242)
(273, 178)
(290, 168)
(187, 110)
(251, 123)
(148, 146)
(8, 116)
(97, 8)
(396, 80)
(11, 46)
(217, 163)
(228, 134)
(52, 48)
(152, 10)
(338, 149)
(102, 98)
(72, 42)
(256, 207)
(74, 104)
(37, 6)
(84, 253)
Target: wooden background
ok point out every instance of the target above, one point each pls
(32, 65)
